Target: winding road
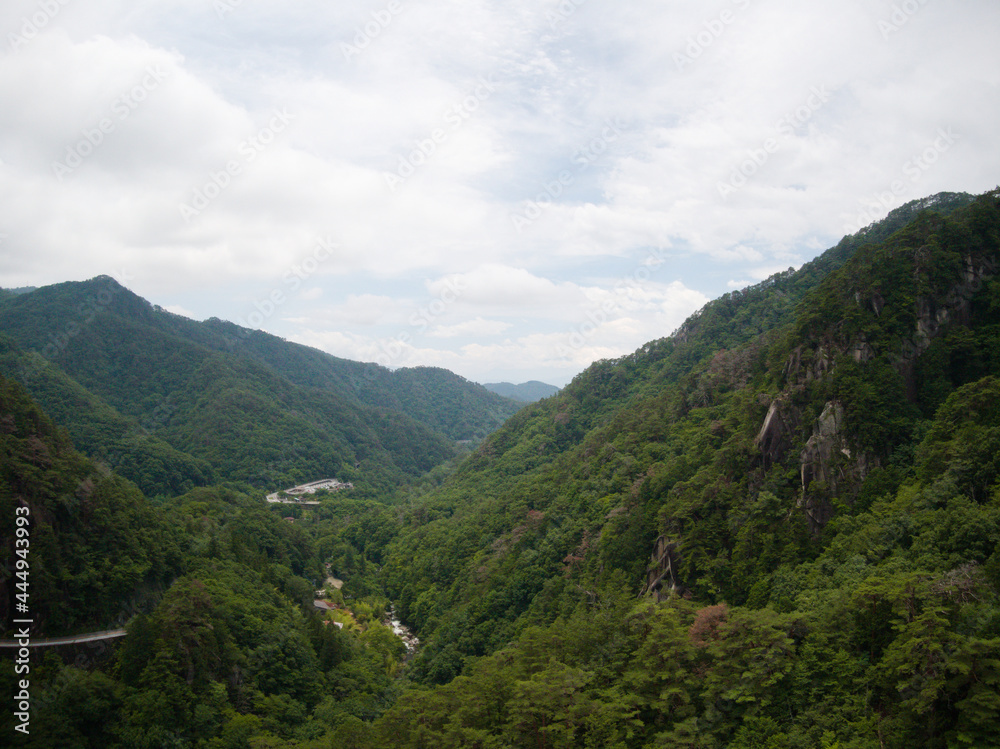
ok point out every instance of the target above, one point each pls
(108, 634)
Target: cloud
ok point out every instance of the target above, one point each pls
(478, 327)
(529, 145)
(178, 310)
(502, 286)
(583, 323)
(363, 310)
(316, 292)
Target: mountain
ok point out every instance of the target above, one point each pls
(760, 390)
(795, 459)
(173, 403)
(17, 290)
(777, 527)
(527, 392)
(95, 542)
(212, 587)
(438, 398)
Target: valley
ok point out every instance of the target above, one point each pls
(775, 527)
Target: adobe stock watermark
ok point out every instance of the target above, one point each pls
(878, 205)
(149, 423)
(421, 320)
(23, 613)
(713, 29)
(900, 16)
(94, 137)
(563, 11)
(33, 25)
(601, 314)
(85, 313)
(203, 196)
(785, 127)
(365, 35)
(454, 118)
(267, 306)
(224, 7)
(583, 157)
(157, 417)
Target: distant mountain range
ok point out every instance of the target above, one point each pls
(16, 290)
(526, 392)
(172, 403)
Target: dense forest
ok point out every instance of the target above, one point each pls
(776, 527)
(172, 404)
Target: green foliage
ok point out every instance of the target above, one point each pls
(172, 404)
(776, 528)
(963, 445)
(96, 544)
(572, 492)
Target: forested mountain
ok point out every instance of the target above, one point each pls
(97, 543)
(776, 527)
(528, 392)
(172, 403)
(766, 473)
(223, 644)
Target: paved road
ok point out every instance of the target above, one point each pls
(42, 642)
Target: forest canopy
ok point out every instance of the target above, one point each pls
(776, 527)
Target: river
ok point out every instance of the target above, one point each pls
(403, 632)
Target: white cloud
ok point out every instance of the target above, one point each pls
(312, 294)
(478, 327)
(581, 324)
(502, 286)
(808, 112)
(363, 310)
(178, 310)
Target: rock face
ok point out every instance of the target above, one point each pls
(861, 351)
(827, 467)
(662, 575)
(805, 365)
(934, 315)
(777, 432)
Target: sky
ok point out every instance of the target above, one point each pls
(509, 189)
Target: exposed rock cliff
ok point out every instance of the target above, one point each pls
(828, 468)
(778, 431)
(662, 575)
(806, 364)
(935, 315)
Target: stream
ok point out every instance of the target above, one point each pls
(398, 628)
(402, 632)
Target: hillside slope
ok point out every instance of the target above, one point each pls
(223, 641)
(777, 527)
(92, 542)
(184, 403)
(719, 463)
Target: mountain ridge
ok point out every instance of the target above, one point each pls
(777, 527)
(528, 392)
(141, 363)
(633, 411)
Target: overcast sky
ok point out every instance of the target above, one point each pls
(510, 189)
